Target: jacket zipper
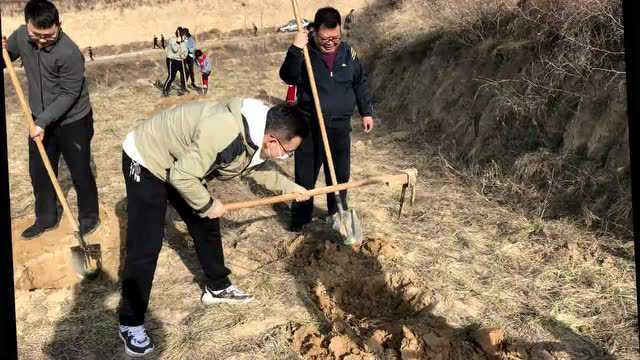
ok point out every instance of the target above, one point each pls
(40, 76)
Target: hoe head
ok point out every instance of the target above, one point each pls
(410, 186)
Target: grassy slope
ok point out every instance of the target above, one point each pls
(531, 101)
(422, 285)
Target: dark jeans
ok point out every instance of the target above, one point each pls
(309, 157)
(73, 142)
(188, 64)
(147, 198)
(173, 67)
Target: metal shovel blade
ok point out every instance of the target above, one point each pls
(86, 261)
(347, 224)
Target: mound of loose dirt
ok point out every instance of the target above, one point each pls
(372, 312)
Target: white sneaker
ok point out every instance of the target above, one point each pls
(136, 341)
(230, 295)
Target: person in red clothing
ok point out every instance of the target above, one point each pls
(205, 69)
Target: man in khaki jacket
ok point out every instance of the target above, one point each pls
(169, 158)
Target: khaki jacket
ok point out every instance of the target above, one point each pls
(191, 143)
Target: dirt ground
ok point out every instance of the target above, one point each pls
(456, 277)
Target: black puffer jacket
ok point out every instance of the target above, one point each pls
(340, 90)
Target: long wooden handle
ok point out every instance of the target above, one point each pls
(316, 98)
(383, 179)
(31, 125)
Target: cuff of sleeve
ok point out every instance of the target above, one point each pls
(42, 121)
(203, 210)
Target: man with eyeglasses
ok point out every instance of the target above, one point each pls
(170, 158)
(59, 101)
(342, 85)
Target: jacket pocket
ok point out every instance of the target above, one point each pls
(343, 74)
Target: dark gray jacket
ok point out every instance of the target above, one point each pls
(58, 90)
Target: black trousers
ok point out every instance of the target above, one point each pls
(309, 157)
(73, 142)
(147, 198)
(188, 63)
(173, 66)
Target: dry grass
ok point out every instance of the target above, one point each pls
(515, 90)
(455, 263)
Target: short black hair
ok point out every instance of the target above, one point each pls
(41, 13)
(198, 53)
(327, 16)
(286, 121)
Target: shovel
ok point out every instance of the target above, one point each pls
(86, 259)
(346, 222)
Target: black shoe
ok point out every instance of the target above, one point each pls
(36, 230)
(136, 341)
(296, 226)
(89, 226)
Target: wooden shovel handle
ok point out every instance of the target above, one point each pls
(316, 98)
(383, 179)
(31, 126)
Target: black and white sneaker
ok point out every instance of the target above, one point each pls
(136, 341)
(230, 295)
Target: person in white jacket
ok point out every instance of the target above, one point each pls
(176, 53)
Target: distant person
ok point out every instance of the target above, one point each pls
(59, 102)
(205, 69)
(91, 54)
(176, 53)
(255, 30)
(342, 85)
(165, 160)
(162, 40)
(349, 20)
(155, 42)
(189, 61)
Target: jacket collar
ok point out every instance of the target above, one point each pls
(235, 106)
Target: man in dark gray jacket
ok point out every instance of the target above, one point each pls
(59, 102)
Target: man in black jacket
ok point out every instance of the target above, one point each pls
(342, 85)
(59, 101)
